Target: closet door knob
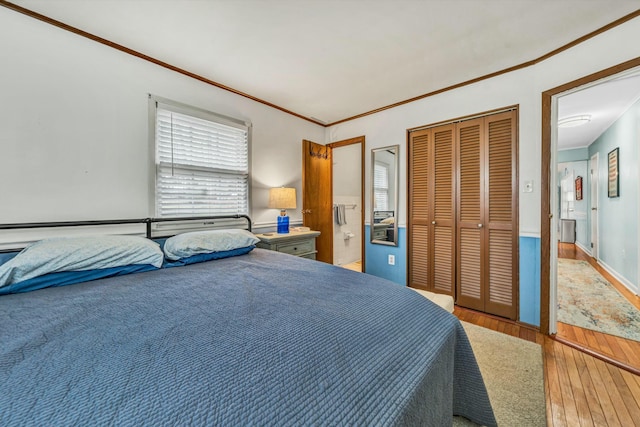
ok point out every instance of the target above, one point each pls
(479, 225)
(433, 222)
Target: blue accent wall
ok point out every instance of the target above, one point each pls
(573, 155)
(376, 257)
(530, 280)
(617, 216)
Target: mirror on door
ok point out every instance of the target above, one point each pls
(384, 195)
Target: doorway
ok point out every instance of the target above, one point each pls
(347, 206)
(338, 243)
(601, 209)
(593, 183)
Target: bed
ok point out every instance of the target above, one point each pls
(258, 338)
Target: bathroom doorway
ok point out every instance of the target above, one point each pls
(348, 201)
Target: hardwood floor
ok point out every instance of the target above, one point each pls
(355, 266)
(618, 350)
(580, 390)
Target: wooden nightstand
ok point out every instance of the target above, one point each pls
(299, 243)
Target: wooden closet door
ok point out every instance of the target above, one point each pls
(419, 269)
(442, 214)
(487, 240)
(432, 207)
(500, 214)
(470, 217)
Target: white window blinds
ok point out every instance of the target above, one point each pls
(202, 164)
(381, 186)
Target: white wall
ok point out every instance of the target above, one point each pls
(522, 87)
(74, 123)
(74, 128)
(347, 190)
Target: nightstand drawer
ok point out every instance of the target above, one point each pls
(298, 248)
(297, 243)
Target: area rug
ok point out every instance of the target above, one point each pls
(512, 369)
(588, 300)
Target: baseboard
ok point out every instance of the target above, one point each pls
(627, 284)
(584, 249)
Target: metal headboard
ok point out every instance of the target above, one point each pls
(208, 220)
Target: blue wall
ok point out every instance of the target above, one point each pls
(617, 216)
(530, 280)
(573, 155)
(376, 257)
(376, 264)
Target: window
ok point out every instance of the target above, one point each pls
(381, 186)
(201, 162)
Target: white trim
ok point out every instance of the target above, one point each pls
(583, 248)
(627, 284)
(553, 207)
(275, 224)
(532, 234)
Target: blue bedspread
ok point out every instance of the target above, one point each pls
(259, 339)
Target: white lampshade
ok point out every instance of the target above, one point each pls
(282, 198)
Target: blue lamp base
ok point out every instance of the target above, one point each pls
(283, 224)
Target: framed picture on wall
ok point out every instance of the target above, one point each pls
(614, 179)
(579, 188)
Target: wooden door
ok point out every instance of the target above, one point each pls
(317, 196)
(470, 219)
(463, 212)
(432, 207)
(501, 230)
(419, 202)
(487, 239)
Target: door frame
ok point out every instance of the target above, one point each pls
(343, 143)
(548, 159)
(329, 200)
(594, 191)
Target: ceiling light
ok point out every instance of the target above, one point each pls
(573, 121)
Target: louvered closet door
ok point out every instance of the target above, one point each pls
(431, 203)
(442, 215)
(419, 207)
(470, 236)
(501, 221)
(487, 250)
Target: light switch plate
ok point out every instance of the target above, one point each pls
(528, 187)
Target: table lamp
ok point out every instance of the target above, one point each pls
(282, 198)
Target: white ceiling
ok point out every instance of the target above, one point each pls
(329, 59)
(605, 102)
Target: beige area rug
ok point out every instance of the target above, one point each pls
(588, 300)
(513, 373)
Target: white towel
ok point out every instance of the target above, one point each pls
(341, 216)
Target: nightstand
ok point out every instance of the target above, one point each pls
(298, 243)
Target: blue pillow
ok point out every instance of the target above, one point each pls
(186, 245)
(6, 256)
(64, 278)
(207, 257)
(79, 254)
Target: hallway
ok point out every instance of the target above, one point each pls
(623, 352)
